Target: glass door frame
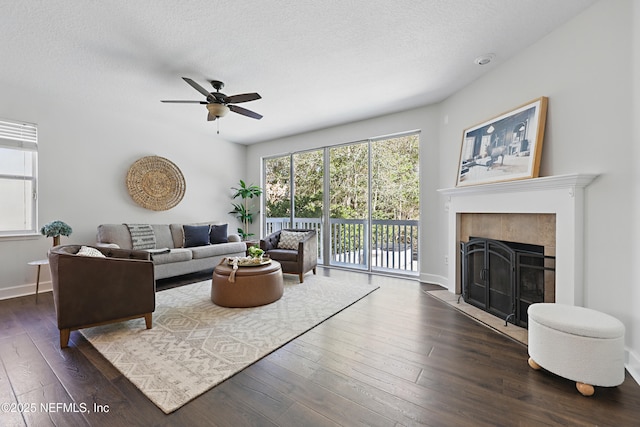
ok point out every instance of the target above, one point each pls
(324, 237)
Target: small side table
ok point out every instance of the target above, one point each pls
(39, 263)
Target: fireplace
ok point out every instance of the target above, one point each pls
(560, 196)
(504, 278)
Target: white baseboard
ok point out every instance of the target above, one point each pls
(24, 290)
(434, 279)
(632, 363)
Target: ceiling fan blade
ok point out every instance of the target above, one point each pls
(211, 117)
(243, 97)
(186, 102)
(199, 88)
(244, 112)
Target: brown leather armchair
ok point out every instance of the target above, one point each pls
(296, 261)
(92, 291)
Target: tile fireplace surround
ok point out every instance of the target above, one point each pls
(562, 195)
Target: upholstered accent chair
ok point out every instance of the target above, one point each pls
(295, 249)
(96, 286)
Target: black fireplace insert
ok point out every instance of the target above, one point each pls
(503, 278)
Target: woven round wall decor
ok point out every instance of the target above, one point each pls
(155, 183)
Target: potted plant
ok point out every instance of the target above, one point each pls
(56, 229)
(255, 252)
(242, 210)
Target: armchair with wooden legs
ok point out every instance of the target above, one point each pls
(95, 290)
(300, 253)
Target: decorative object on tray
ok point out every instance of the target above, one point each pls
(155, 183)
(251, 243)
(505, 148)
(255, 252)
(56, 229)
(248, 261)
(245, 261)
(243, 211)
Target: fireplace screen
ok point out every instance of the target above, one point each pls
(503, 278)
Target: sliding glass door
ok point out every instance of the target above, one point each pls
(395, 203)
(308, 191)
(349, 205)
(277, 193)
(361, 198)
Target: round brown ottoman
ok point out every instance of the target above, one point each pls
(253, 286)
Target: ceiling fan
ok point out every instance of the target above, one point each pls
(218, 103)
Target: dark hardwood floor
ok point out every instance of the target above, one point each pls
(397, 357)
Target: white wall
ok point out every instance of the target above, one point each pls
(634, 330)
(85, 151)
(585, 68)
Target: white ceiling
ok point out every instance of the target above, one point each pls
(315, 63)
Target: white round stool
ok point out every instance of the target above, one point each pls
(577, 343)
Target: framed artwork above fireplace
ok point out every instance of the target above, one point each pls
(505, 148)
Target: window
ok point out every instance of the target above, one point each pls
(362, 198)
(18, 177)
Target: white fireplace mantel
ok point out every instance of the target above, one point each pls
(562, 195)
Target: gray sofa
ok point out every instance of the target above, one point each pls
(170, 256)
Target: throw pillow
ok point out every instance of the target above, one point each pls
(218, 234)
(196, 235)
(91, 252)
(142, 236)
(290, 239)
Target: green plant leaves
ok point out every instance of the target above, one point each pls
(241, 210)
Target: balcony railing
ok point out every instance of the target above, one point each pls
(392, 245)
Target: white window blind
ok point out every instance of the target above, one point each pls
(18, 177)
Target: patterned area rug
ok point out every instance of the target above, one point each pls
(195, 345)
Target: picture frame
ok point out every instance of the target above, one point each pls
(505, 148)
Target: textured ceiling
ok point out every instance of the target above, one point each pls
(315, 63)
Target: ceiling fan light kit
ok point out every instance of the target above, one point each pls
(218, 104)
(216, 110)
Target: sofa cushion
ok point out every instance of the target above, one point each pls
(196, 235)
(290, 239)
(174, 255)
(218, 234)
(218, 250)
(157, 251)
(177, 232)
(284, 254)
(118, 234)
(142, 236)
(163, 236)
(115, 233)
